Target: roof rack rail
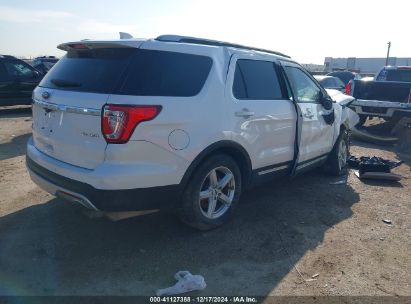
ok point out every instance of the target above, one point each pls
(193, 40)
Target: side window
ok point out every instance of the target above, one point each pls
(256, 80)
(305, 90)
(160, 73)
(382, 76)
(18, 69)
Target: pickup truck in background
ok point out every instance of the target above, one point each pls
(387, 96)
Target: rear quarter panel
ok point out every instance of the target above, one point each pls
(199, 120)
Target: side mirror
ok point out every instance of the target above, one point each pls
(326, 101)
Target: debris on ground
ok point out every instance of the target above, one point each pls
(372, 164)
(387, 221)
(374, 168)
(379, 175)
(186, 282)
(315, 275)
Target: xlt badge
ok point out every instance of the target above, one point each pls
(89, 134)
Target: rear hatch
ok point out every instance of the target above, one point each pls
(69, 100)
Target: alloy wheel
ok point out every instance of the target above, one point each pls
(217, 192)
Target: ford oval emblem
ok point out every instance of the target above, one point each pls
(45, 95)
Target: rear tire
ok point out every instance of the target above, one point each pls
(337, 160)
(212, 193)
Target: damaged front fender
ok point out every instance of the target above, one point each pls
(344, 116)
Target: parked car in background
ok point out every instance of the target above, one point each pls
(387, 96)
(345, 76)
(179, 123)
(44, 63)
(367, 78)
(17, 81)
(330, 82)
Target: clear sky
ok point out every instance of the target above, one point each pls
(306, 30)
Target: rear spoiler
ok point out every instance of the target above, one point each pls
(92, 44)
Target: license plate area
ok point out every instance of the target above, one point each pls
(46, 119)
(45, 122)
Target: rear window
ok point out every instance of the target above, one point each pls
(338, 82)
(344, 76)
(96, 70)
(130, 71)
(254, 79)
(328, 82)
(395, 75)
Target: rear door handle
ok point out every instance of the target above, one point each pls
(244, 113)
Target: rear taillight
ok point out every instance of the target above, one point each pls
(119, 121)
(348, 88)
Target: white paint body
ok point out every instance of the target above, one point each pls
(160, 151)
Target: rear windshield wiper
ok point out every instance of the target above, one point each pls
(65, 83)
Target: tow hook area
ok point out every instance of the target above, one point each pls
(75, 198)
(93, 212)
(117, 216)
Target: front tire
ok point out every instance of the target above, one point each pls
(337, 160)
(212, 194)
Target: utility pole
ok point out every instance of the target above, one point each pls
(388, 52)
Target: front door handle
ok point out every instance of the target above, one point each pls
(246, 113)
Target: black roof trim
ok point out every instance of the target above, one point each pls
(193, 40)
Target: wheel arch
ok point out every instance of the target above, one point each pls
(230, 148)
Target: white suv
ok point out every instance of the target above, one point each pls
(179, 123)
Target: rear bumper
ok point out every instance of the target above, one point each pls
(381, 108)
(162, 197)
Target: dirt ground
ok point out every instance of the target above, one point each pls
(283, 235)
